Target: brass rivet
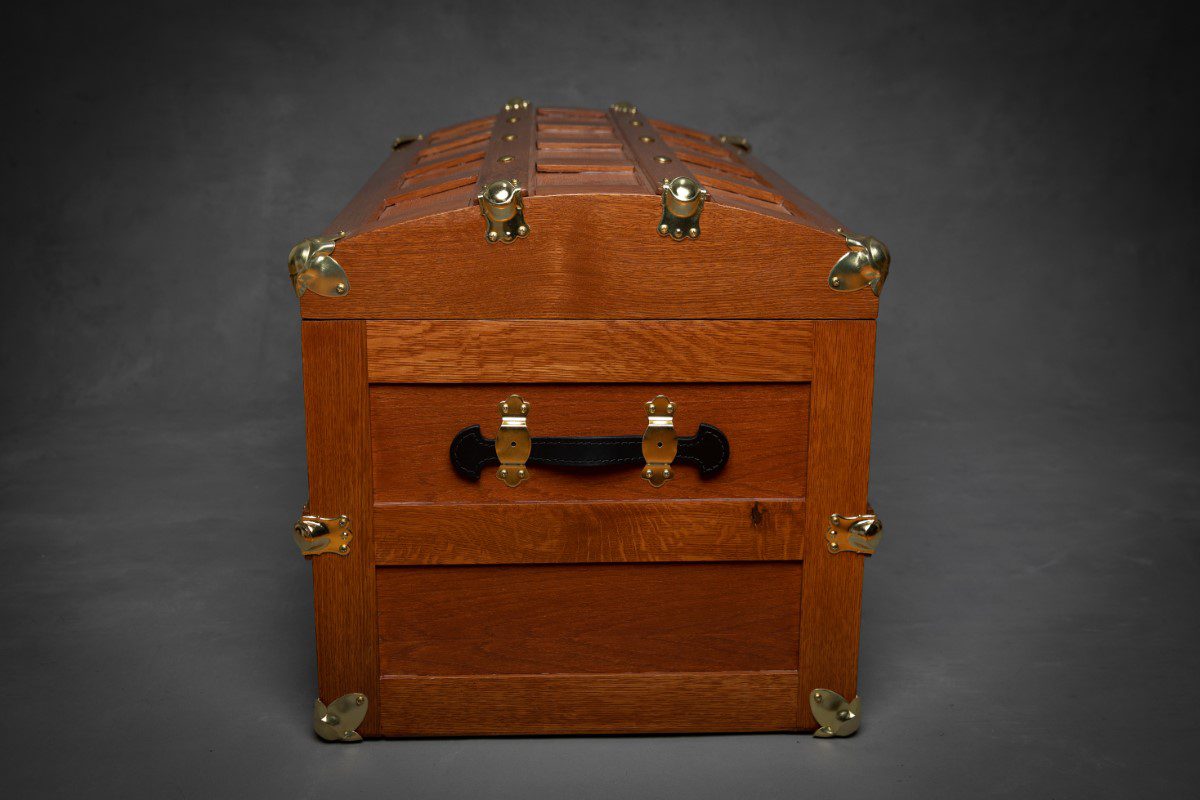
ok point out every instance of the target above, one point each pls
(646, 139)
(345, 548)
(360, 699)
(512, 120)
(503, 473)
(347, 734)
(522, 230)
(510, 137)
(834, 546)
(817, 696)
(843, 715)
(836, 281)
(663, 229)
(666, 473)
(662, 159)
(833, 518)
(504, 159)
(637, 123)
(693, 232)
(521, 473)
(493, 236)
(340, 288)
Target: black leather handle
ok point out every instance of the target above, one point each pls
(471, 451)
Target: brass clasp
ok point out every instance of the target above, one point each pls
(660, 444)
(682, 201)
(855, 534)
(513, 444)
(317, 535)
(503, 210)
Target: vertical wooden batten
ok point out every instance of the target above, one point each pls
(838, 465)
(337, 419)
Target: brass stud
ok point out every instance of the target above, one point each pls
(360, 699)
(835, 280)
(637, 123)
(504, 159)
(340, 288)
(664, 229)
(646, 139)
(513, 120)
(510, 137)
(345, 548)
(662, 159)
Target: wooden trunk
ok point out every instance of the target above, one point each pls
(585, 600)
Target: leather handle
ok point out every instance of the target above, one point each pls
(471, 451)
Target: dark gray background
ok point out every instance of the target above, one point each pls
(1030, 624)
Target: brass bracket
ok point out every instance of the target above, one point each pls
(317, 535)
(512, 442)
(735, 141)
(401, 141)
(835, 716)
(660, 444)
(855, 534)
(503, 211)
(337, 721)
(682, 201)
(313, 267)
(865, 264)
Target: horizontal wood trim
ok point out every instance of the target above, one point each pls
(574, 532)
(563, 351)
(585, 618)
(412, 426)
(555, 704)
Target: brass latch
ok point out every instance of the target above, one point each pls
(734, 140)
(503, 211)
(865, 264)
(835, 715)
(313, 267)
(660, 444)
(856, 534)
(337, 721)
(317, 535)
(682, 201)
(512, 442)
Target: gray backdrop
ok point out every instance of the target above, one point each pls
(1030, 624)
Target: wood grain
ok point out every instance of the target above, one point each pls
(485, 705)
(574, 532)
(577, 263)
(337, 417)
(838, 466)
(414, 424)
(604, 618)
(563, 351)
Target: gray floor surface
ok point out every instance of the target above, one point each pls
(1030, 627)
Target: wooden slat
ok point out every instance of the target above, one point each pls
(649, 155)
(793, 199)
(535, 351)
(574, 532)
(589, 618)
(337, 415)
(514, 140)
(365, 206)
(414, 424)
(550, 704)
(838, 465)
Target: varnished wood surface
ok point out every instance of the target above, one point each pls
(478, 705)
(414, 424)
(364, 207)
(554, 351)
(337, 417)
(590, 258)
(602, 618)
(574, 532)
(838, 467)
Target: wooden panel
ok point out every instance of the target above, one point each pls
(337, 415)
(546, 533)
(491, 351)
(605, 618)
(364, 207)
(838, 466)
(549, 704)
(766, 424)
(579, 264)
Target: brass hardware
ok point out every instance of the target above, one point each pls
(662, 159)
(660, 444)
(854, 534)
(835, 716)
(317, 535)
(646, 139)
(624, 108)
(637, 123)
(504, 159)
(682, 200)
(313, 267)
(509, 137)
(866, 264)
(513, 120)
(512, 442)
(503, 210)
(337, 721)
(400, 141)
(516, 104)
(735, 141)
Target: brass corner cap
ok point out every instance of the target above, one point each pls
(313, 268)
